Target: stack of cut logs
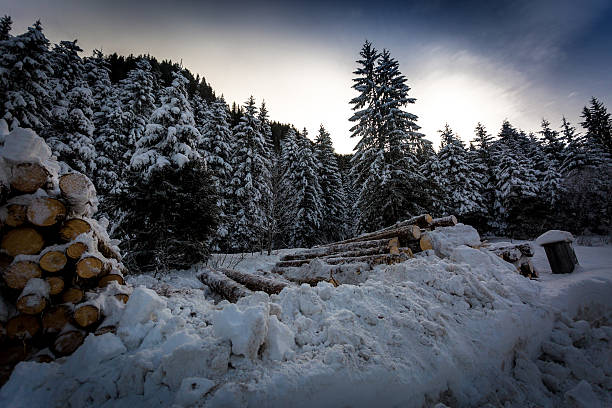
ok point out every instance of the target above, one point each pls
(517, 254)
(56, 262)
(387, 246)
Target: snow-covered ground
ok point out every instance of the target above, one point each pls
(465, 330)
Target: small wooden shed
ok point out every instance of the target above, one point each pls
(559, 251)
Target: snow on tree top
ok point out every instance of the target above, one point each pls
(552, 236)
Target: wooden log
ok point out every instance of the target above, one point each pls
(387, 259)
(16, 215)
(404, 233)
(19, 273)
(89, 267)
(86, 315)
(561, 257)
(56, 285)
(46, 211)
(73, 228)
(55, 319)
(425, 243)
(449, 221)
(383, 244)
(22, 327)
(75, 250)
(31, 304)
(255, 282)
(350, 254)
(511, 252)
(22, 241)
(66, 343)
(28, 177)
(105, 280)
(421, 221)
(222, 285)
(77, 190)
(107, 250)
(53, 261)
(72, 295)
(122, 297)
(106, 329)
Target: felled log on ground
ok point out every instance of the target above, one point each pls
(421, 221)
(561, 257)
(325, 250)
(404, 234)
(22, 241)
(387, 259)
(222, 285)
(350, 254)
(46, 212)
(28, 177)
(254, 282)
(448, 221)
(517, 254)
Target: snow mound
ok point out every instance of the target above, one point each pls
(445, 239)
(25, 146)
(552, 236)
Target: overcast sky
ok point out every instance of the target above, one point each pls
(465, 61)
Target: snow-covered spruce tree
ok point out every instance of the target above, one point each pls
(332, 190)
(250, 183)
(461, 185)
(70, 135)
(171, 209)
(433, 189)
(110, 138)
(574, 156)
(384, 166)
(482, 161)
(301, 192)
(137, 93)
(598, 124)
(266, 131)
(25, 71)
(217, 141)
(5, 27)
(551, 143)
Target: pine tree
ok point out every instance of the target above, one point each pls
(250, 183)
(332, 190)
(138, 101)
(598, 124)
(217, 140)
(461, 186)
(25, 71)
(269, 199)
(482, 162)
(5, 27)
(553, 146)
(575, 155)
(434, 188)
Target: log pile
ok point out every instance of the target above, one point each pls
(390, 245)
(56, 262)
(517, 254)
(232, 285)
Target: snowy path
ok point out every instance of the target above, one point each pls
(464, 331)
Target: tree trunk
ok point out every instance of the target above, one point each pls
(254, 282)
(421, 221)
(105, 280)
(383, 245)
(28, 177)
(55, 319)
(23, 240)
(75, 250)
(31, 304)
(89, 267)
(72, 295)
(222, 285)
(404, 234)
(56, 285)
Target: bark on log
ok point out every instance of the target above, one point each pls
(19, 273)
(383, 245)
(107, 250)
(387, 259)
(28, 177)
(55, 319)
(421, 221)
(89, 267)
(105, 280)
(561, 257)
(66, 343)
(56, 285)
(22, 327)
(16, 215)
(106, 329)
(222, 285)
(73, 228)
(53, 261)
(511, 252)
(72, 295)
(404, 234)
(449, 221)
(86, 315)
(350, 254)
(23, 240)
(46, 211)
(75, 250)
(255, 282)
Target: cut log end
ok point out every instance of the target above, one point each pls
(425, 243)
(28, 177)
(68, 342)
(86, 315)
(16, 215)
(22, 241)
(32, 304)
(105, 280)
(55, 319)
(22, 327)
(449, 221)
(56, 285)
(75, 250)
(89, 267)
(72, 295)
(73, 228)
(122, 297)
(46, 211)
(53, 261)
(19, 273)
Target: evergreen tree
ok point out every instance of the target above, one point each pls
(25, 71)
(482, 162)
(5, 27)
(171, 136)
(138, 100)
(269, 199)
(598, 124)
(332, 190)
(575, 155)
(434, 188)
(250, 183)
(461, 186)
(552, 144)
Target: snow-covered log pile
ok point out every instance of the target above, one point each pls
(344, 261)
(61, 273)
(518, 255)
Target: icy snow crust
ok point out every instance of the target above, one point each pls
(466, 330)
